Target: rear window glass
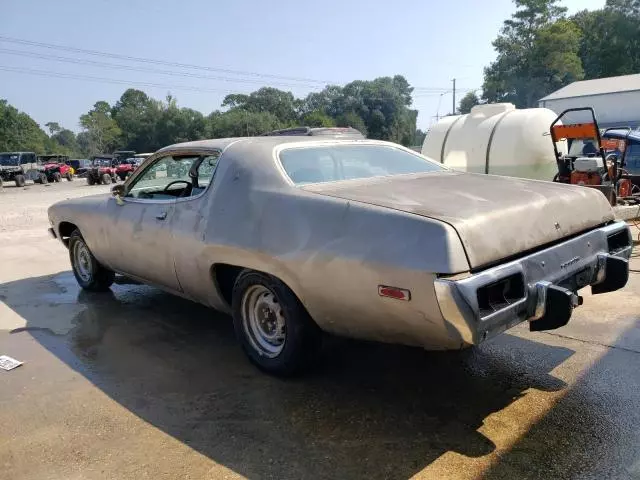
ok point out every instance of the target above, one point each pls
(347, 162)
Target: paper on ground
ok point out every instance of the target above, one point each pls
(8, 363)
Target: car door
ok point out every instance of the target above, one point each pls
(141, 240)
(189, 223)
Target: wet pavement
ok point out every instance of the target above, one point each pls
(138, 384)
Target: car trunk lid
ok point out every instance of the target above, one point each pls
(495, 217)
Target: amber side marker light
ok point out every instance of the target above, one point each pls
(394, 292)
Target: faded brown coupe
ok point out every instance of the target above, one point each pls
(294, 236)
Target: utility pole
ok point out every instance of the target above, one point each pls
(453, 112)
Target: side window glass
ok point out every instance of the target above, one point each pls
(632, 158)
(166, 179)
(26, 158)
(206, 169)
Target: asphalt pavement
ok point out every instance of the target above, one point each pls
(138, 384)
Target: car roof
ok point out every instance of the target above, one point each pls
(267, 142)
(622, 133)
(316, 131)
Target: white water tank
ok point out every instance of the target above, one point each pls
(497, 139)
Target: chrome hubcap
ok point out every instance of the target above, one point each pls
(263, 321)
(83, 264)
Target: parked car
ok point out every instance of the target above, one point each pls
(294, 236)
(56, 167)
(80, 166)
(19, 167)
(129, 165)
(624, 143)
(102, 170)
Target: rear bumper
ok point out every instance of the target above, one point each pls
(547, 284)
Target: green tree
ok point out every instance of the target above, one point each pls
(467, 102)
(418, 138)
(18, 131)
(353, 120)
(267, 99)
(102, 129)
(317, 118)
(54, 127)
(382, 105)
(177, 125)
(322, 101)
(66, 139)
(610, 43)
(138, 116)
(241, 123)
(537, 54)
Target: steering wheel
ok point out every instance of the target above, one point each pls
(189, 186)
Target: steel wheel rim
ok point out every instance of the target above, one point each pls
(263, 321)
(82, 261)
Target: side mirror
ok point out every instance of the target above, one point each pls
(117, 190)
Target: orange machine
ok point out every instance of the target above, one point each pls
(585, 165)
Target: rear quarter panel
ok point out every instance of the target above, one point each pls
(334, 253)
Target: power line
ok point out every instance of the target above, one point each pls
(156, 62)
(90, 78)
(120, 66)
(48, 73)
(130, 58)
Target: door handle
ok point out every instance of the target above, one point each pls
(161, 215)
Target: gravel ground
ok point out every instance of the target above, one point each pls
(26, 208)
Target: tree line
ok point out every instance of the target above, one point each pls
(380, 108)
(541, 49)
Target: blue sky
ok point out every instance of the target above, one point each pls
(428, 42)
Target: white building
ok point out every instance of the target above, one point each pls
(616, 100)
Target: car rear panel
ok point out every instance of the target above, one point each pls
(495, 217)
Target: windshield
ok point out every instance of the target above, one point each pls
(583, 148)
(102, 162)
(9, 159)
(346, 162)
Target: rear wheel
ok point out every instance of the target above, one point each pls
(90, 180)
(42, 178)
(20, 180)
(0, 183)
(89, 273)
(273, 327)
(69, 176)
(57, 177)
(106, 179)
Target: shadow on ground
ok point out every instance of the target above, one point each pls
(368, 411)
(593, 431)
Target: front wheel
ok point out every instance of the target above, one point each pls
(69, 177)
(89, 273)
(273, 327)
(90, 180)
(57, 177)
(106, 179)
(20, 180)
